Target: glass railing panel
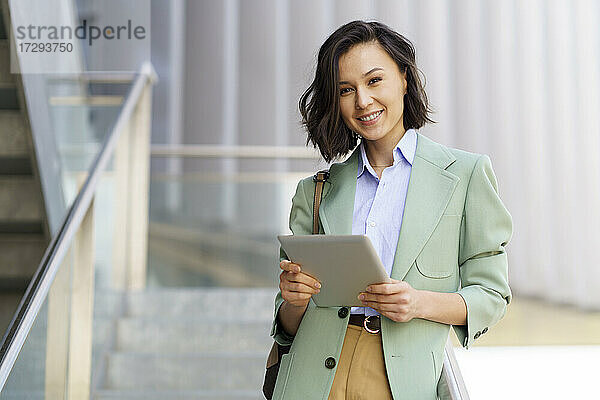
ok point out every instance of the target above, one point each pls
(108, 298)
(77, 295)
(82, 113)
(48, 343)
(37, 364)
(218, 229)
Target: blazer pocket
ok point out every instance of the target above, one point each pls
(439, 257)
(282, 377)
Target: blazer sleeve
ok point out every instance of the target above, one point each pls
(486, 229)
(300, 223)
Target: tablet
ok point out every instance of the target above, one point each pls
(344, 264)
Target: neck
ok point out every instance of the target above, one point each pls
(381, 152)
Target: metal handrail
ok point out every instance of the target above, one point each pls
(454, 388)
(209, 151)
(41, 282)
(223, 151)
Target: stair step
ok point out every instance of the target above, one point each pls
(232, 371)
(179, 395)
(8, 394)
(184, 336)
(3, 32)
(13, 140)
(5, 75)
(20, 201)
(8, 98)
(9, 301)
(32, 226)
(15, 165)
(19, 283)
(20, 254)
(214, 304)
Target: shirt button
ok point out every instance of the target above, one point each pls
(373, 223)
(330, 362)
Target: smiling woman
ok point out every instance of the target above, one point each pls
(432, 213)
(356, 78)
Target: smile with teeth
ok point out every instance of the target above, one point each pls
(372, 116)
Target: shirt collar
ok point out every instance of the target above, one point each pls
(406, 147)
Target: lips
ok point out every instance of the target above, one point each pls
(372, 121)
(362, 118)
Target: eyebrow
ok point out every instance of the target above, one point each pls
(365, 74)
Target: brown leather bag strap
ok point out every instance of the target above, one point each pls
(319, 178)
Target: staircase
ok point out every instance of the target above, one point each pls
(23, 229)
(199, 343)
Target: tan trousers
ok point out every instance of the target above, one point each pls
(360, 373)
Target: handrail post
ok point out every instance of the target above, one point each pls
(120, 235)
(139, 194)
(132, 174)
(57, 331)
(70, 317)
(82, 311)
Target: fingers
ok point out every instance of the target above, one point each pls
(298, 278)
(289, 266)
(380, 307)
(378, 298)
(388, 288)
(299, 283)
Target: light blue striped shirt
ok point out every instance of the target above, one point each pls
(379, 204)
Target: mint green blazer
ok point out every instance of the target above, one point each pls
(453, 236)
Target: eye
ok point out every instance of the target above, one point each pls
(343, 90)
(375, 79)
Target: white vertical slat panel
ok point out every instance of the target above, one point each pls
(283, 109)
(230, 104)
(398, 15)
(561, 175)
(259, 95)
(587, 136)
(205, 93)
(503, 128)
(304, 42)
(175, 116)
(434, 59)
(349, 10)
(533, 130)
(204, 90)
(469, 57)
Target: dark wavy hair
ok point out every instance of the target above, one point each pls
(320, 104)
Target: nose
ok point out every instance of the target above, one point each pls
(363, 99)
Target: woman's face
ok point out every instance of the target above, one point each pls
(371, 85)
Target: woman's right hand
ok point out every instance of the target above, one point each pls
(296, 287)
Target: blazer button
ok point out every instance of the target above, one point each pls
(343, 312)
(330, 362)
(484, 330)
(477, 335)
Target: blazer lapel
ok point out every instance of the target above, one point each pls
(429, 191)
(337, 202)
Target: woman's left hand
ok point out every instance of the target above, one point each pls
(397, 300)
